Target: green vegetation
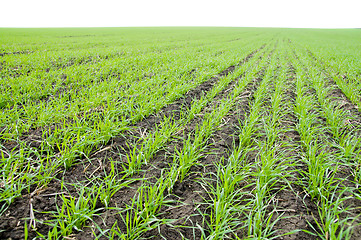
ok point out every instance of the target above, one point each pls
(180, 133)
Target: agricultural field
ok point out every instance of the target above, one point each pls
(180, 133)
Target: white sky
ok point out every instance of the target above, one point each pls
(112, 13)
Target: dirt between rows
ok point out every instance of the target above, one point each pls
(48, 199)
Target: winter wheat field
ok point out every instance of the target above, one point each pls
(180, 133)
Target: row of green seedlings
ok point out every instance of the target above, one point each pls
(243, 190)
(319, 180)
(20, 164)
(345, 135)
(149, 146)
(350, 86)
(283, 119)
(143, 213)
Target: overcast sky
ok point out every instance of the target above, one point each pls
(112, 13)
